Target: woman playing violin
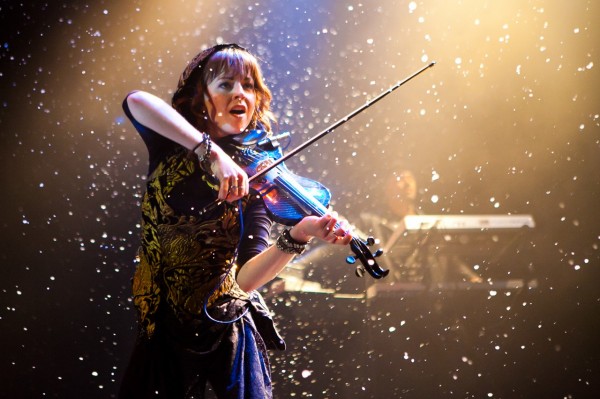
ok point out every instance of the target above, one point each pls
(200, 317)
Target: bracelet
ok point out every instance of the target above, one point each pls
(206, 154)
(285, 243)
(204, 136)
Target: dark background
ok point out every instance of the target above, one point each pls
(507, 122)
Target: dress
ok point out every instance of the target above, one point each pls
(186, 262)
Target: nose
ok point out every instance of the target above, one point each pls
(238, 90)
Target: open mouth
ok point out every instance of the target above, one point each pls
(238, 111)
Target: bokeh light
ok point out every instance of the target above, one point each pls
(507, 122)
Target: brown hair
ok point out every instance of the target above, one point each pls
(188, 99)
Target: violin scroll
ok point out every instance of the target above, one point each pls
(367, 259)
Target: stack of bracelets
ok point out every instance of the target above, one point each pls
(287, 244)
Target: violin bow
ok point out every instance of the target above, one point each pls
(340, 122)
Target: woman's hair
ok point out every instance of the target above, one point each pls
(188, 100)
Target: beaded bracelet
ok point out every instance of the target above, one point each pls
(205, 140)
(206, 155)
(285, 243)
(204, 136)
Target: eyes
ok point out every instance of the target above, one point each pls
(228, 84)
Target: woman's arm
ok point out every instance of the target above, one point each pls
(265, 266)
(159, 116)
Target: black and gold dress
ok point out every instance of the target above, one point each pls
(196, 323)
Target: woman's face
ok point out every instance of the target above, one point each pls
(230, 102)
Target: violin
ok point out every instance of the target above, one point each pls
(288, 198)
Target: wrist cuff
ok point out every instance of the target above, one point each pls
(285, 243)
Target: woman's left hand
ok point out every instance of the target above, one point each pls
(263, 267)
(323, 228)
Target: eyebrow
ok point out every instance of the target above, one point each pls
(232, 77)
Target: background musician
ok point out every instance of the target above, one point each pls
(411, 258)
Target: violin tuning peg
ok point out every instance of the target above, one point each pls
(378, 253)
(350, 260)
(360, 271)
(370, 241)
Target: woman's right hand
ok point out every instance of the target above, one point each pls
(233, 181)
(159, 116)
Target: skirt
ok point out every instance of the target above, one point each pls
(228, 350)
